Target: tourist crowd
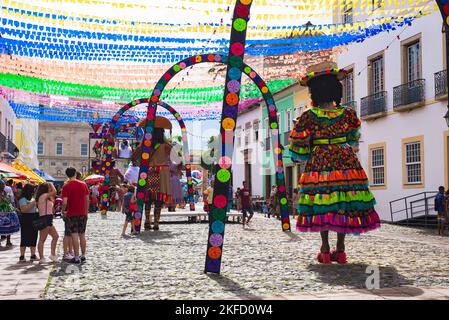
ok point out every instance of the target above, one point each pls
(31, 209)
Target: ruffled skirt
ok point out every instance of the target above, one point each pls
(334, 193)
(9, 223)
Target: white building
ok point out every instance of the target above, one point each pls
(248, 151)
(8, 149)
(395, 79)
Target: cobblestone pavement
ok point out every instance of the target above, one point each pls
(261, 261)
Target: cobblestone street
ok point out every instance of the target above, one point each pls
(257, 262)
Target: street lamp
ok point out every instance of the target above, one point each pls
(443, 5)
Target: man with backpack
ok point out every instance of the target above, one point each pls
(440, 207)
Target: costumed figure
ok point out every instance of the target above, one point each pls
(175, 180)
(9, 221)
(333, 189)
(159, 189)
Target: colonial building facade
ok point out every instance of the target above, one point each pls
(63, 144)
(397, 81)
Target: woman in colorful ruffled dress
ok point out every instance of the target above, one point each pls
(333, 189)
(9, 221)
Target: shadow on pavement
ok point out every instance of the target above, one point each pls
(151, 236)
(357, 276)
(233, 287)
(64, 268)
(28, 267)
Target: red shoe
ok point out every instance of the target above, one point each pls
(324, 257)
(338, 256)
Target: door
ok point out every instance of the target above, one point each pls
(289, 180)
(267, 186)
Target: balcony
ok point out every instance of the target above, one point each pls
(12, 149)
(374, 106)
(267, 144)
(441, 85)
(2, 143)
(350, 104)
(286, 137)
(410, 95)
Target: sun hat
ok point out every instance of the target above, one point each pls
(160, 122)
(320, 69)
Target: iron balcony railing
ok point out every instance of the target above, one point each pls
(440, 83)
(409, 93)
(12, 148)
(350, 104)
(2, 142)
(375, 103)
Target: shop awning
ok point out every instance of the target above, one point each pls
(7, 169)
(44, 175)
(32, 176)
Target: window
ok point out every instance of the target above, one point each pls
(376, 4)
(347, 13)
(288, 121)
(59, 149)
(348, 87)
(377, 74)
(413, 62)
(239, 138)
(413, 162)
(53, 164)
(84, 149)
(65, 164)
(256, 131)
(378, 166)
(40, 148)
(246, 137)
(40, 164)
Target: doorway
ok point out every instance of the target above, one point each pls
(267, 186)
(289, 180)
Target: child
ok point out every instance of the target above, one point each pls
(129, 209)
(265, 210)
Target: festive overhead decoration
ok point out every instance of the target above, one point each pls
(24, 39)
(193, 96)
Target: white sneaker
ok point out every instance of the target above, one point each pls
(43, 261)
(68, 256)
(53, 258)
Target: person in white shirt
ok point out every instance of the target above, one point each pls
(9, 192)
(125, 150)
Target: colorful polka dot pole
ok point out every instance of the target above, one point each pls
(108, 143)
(217, 215)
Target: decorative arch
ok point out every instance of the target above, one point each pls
(235, 67)
(238, 68)
(108, 143)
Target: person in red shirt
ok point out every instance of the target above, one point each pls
(75, 197)
(245, 202)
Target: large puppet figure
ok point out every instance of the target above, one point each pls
(158, 185)
(333, 189)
